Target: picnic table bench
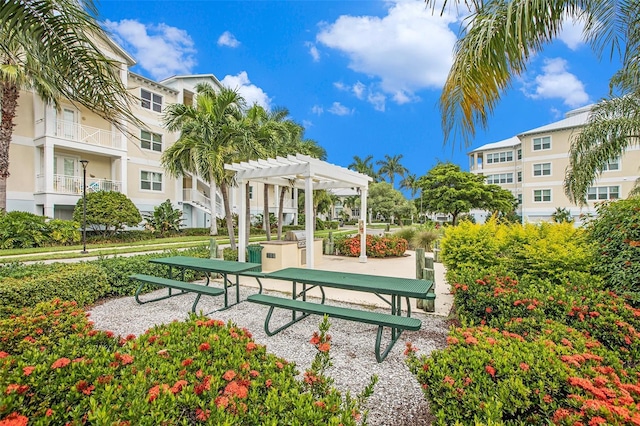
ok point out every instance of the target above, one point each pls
(206, 266)
(390, 289)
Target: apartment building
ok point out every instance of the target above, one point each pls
(532, 166)
(51, 147)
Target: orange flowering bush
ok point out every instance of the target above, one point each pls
(377, 246)
(544, 340)
(201, 371)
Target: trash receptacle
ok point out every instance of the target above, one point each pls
(254, 252)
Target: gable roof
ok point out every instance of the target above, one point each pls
(575, 118)
(507, 143)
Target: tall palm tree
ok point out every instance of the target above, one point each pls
(410, 182)
(391, 167)
(209, 134)
(364, 166)
(48, 46)
(500, 39)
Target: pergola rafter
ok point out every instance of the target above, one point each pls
(302, 172)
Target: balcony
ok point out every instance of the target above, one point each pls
(197, 198)
(68, 130)
(72, 185)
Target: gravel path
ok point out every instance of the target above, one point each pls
(397, 398)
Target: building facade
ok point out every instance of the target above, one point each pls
(51, 147)
(532, 165)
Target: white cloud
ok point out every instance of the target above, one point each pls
(307, 123)
(407, 50)
(227, 39)
(571, 33)
(338, 109)
(317, 109)
(556, 82)
(313, 51)
(378, 100)
(251, 93)
(359, 90)
(340, 86)
(161, 50)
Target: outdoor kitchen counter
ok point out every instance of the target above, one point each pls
(280, 254)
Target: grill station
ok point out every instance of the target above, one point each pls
(298, 236)
(290, 252)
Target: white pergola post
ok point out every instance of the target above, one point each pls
(363, 225)
(242, 225)
(308, 218)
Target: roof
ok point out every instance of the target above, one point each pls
(507, 143)
(151, 83)
(294, 169)
(575, 118)
(176, 78)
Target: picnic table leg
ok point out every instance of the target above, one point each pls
(269, 332)
(395, 335)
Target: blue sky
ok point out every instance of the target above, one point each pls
(363, 77)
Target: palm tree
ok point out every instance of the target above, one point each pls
(391, 167)
(410, 182)
(48, 46)
(209, 134)
(364, 166)
(495, 49)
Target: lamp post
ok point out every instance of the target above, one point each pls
(84, 205)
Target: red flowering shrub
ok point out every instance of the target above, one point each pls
(92, 377)
(377, 246)
(547, 342)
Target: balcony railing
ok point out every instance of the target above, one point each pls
(90, 135)
(196, 197)
(73, 184)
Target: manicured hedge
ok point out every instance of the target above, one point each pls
(377, 246)
(200, 371)
(84, 282)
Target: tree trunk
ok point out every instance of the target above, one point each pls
(283, 191)
(228, 214)
(266, 223)
(213, 228)
(8, 106)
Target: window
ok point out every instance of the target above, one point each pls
(542, 143)
(542, 169)
(151, 181)
(355, 212)
(251, 192)
(501, 178)
(519, 199)
(613, 165)
(151, 100)
(519, 154)
(603, 193)
(542, 195)
(519, 176)
(500, 157)
(151, 141)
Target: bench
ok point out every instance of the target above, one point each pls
(185, 287)
(397, 323)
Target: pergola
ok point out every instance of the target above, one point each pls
(302, 172)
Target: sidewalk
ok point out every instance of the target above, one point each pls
(404, 267)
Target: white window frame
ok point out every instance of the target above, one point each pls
(541, 142)
(519, 198)
(519, 176)
(519, 154)
(499, 157)
(152, 102)
(500, 178)
(607, 167)
(603, 193)
(542, 169)
(542, 195)
(152, 143)
(152, 183)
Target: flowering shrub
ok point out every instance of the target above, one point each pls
(545, 341)
(377, 246)
(200, 371)
(513, 376)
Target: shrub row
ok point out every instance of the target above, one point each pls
(543, 339)
(377, 246)
(85, 282)
(199, 371)
(25, 230)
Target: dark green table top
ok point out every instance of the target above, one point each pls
(207, 265)
(405, 287)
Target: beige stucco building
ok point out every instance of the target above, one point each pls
(532, 166)
(50, 146)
